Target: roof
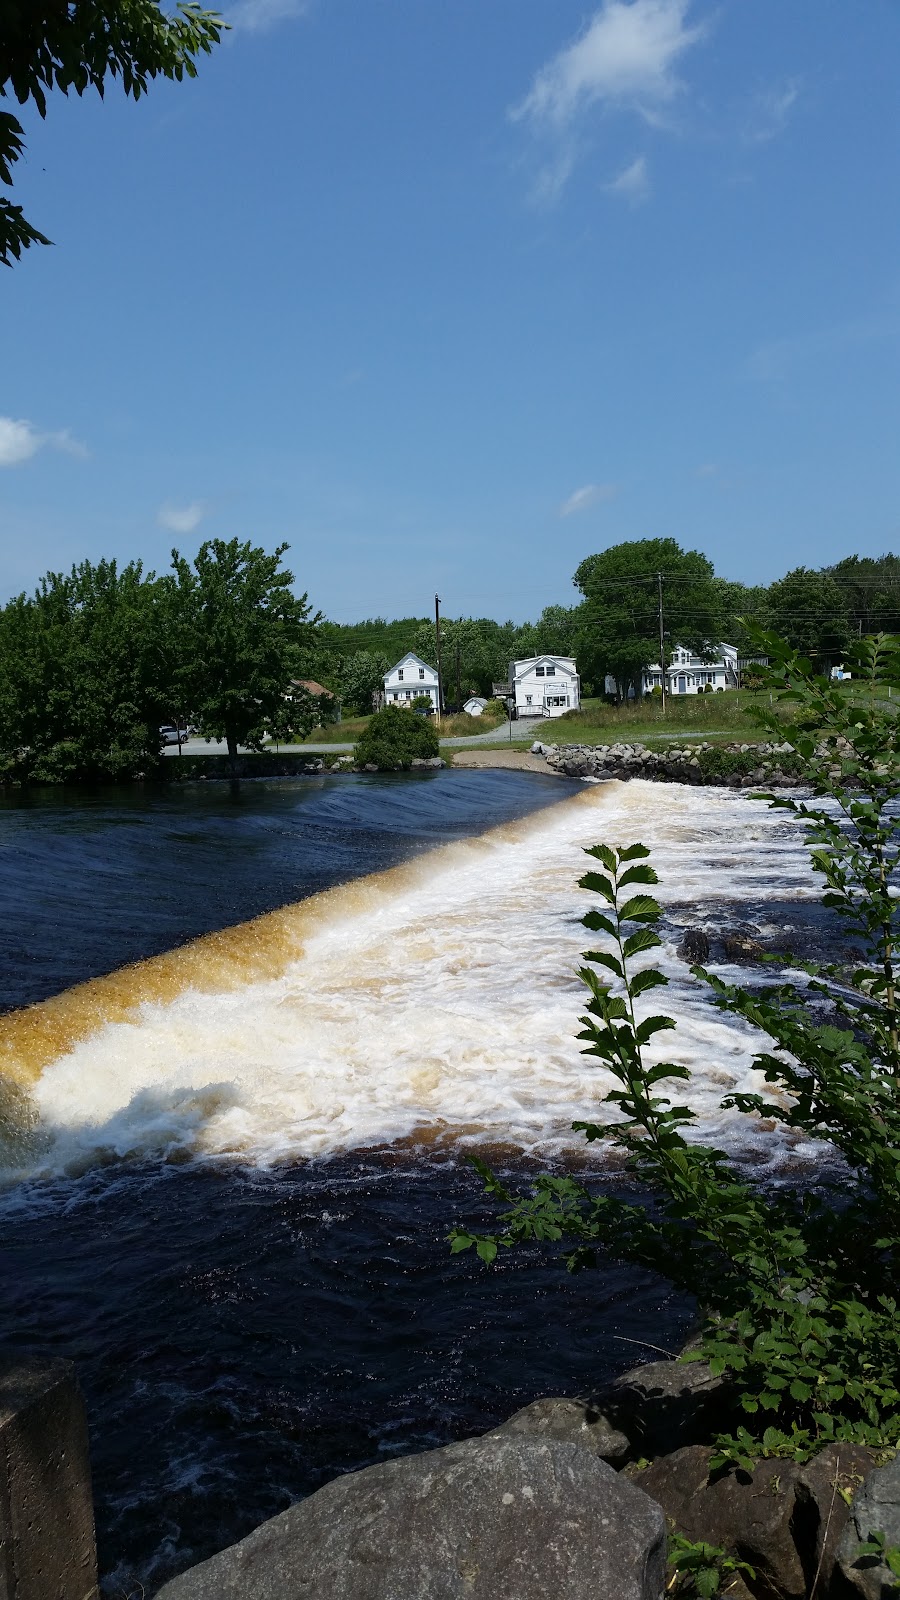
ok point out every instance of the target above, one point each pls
(410, 656)
(519, 668)
(309, 684)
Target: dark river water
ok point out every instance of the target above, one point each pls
(244, 1331)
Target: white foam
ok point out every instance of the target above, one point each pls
(447, 1012)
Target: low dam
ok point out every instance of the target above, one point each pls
(235, 1118)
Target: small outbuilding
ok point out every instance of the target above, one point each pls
(475, 705)
(408, 680)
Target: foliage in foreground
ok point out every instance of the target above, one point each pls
(797, 1285)
(58, 47)
(395, 738)
(699, 1569)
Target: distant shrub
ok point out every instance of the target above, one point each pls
(395, 738)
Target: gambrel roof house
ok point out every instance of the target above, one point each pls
(410, 678)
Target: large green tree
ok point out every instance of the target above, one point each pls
(871, 589)
(620, 630)
(79, 44)
(87, 670)
(809, 609)
(360, 677)
(244, 639)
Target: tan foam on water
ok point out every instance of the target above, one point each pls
(217, 963)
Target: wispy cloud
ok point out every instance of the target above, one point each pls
(707, 470)
(770, 111)
(633, 183)
(591, 495)
(20, 440)
(181, 519)
(625, 55)
(255, 16)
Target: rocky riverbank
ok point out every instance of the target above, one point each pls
(573, 1499)
(733, 765)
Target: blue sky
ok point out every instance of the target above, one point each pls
(449, 294)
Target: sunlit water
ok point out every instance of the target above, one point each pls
(245, 1156)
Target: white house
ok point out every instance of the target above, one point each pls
(688, 673)
(544, 686)
(409, 679)
(475, 705)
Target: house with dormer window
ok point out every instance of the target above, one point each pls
(409, 679)
(688, 673)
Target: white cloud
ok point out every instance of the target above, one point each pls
(20, 440)
(634, 183)
(181, 519)
(625, 55)
(770, 111)
(591, 495)
(255, 16)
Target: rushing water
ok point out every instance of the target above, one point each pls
(232, 1209)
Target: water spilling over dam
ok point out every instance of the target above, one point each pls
(430, 1004)
(239, 1146)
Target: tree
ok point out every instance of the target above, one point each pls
(395, 738)
(621, 617)
(78, 44)
(86, 674)
(809, 610)
(242, 640)
(740, 604)
(485, 651)
(361, 676)
(871, 588)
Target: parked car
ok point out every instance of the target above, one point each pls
(169, 734)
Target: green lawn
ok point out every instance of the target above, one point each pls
(346, 732)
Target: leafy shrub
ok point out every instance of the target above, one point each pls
(798, 1286)
(395, 738)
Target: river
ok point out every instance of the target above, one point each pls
(263, 1030)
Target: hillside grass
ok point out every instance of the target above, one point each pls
(346, 732)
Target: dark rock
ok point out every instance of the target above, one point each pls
(694, 946)
(785, 1518)
(665, 1404)
(573, 1422)
(747, 1514)
(497, 1518)
(740, 944)
(821, 1511)
(875, 1509)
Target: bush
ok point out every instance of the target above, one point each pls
(395, 738)
(798, 1285)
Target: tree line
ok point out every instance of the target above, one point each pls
(613, 631)
(96, 660)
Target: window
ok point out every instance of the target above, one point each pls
(551, 672)
(539, 672)
(421, 672)
(400, 674)
(528, 699)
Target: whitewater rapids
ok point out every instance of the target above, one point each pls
(435, 1004)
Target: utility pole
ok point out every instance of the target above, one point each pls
(437, 635)
(662, 643)
(458, 688)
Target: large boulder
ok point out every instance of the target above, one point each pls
(875, 1509)
(504, 1517)
(572, 1422)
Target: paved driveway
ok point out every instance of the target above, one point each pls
(530, 729)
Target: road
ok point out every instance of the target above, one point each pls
(216, 747)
